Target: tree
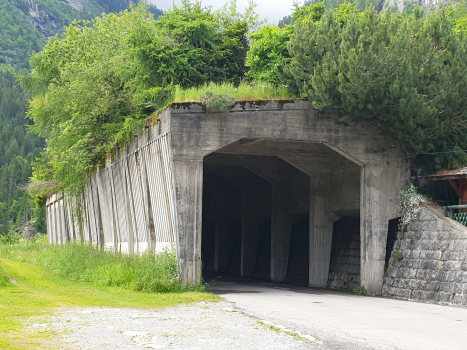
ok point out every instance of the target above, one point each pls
(401, 74)
(96, 84)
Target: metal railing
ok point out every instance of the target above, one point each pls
(460, 217)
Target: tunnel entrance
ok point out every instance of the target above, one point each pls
(269, 208)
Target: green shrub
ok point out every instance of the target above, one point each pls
(398, 256)
(361, 291)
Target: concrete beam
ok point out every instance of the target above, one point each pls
(374, 217)
(188, 184)
(321, 228)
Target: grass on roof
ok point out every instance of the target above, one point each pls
(244, 92)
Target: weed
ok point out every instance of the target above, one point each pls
(151, 273)
(361, 291)
(398, 256)
(243, 92)
(219, 101)
(4, 280)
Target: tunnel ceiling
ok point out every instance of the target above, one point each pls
(308, 157)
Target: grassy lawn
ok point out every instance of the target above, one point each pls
(40, 289)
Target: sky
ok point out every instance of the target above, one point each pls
(275, 10)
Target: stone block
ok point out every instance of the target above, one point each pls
(454, 235)
(430, 264)
(457, 300)
(415, 254)
(431, 296)
(443, 235)
(464, 266)
(415, 226)
(443, 226)
(450, 255)
(421, 274)
(423, 254)
(443, 245)
(403, 293)
(457, 288)
(389, 281)
(432, 275)
(414, 284)
(434, 255)
(416, 294)
(462, 278)
(451, 266)
(444, 298)
(445, 286)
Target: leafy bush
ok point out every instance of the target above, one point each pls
(398, 256)
(361, 291)
(219, 101)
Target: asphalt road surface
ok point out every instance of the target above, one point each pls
(346, 321)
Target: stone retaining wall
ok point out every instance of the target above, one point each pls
(434, 264)
(344, 271)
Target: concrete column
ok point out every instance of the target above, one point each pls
(281, 228)
(374, 217)
(188, 184)
(321, 226)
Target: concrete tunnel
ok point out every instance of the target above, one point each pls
(263, 200)
(265, 191)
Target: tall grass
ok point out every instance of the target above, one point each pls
(3, 278)
(151, 273)
(244, 92)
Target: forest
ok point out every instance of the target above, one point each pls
(94, 85)
(23, 32)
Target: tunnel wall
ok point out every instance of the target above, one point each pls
(126, 207)
(433, 267)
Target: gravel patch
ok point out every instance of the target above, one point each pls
(201, 326)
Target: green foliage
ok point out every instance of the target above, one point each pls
(191, 45)
(222, 102)
(3, 278)
(17, 150)
(18, 38)
(398, 256)
(267, 50)
(242, 92)
(403, 74)
(361, 291)
(149, 273)
(95, 85)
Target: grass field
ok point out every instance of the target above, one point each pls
(40, 287)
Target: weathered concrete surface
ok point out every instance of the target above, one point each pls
(351, 321)
(434, 264)
(304, 138)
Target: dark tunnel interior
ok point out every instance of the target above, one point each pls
(242, 197)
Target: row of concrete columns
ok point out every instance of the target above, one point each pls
(374, 220)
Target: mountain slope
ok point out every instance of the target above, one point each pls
(25, 26)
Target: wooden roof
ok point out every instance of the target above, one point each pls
(444, 174)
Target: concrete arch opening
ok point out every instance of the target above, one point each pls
(270, 207)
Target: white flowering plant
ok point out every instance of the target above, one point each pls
(409, 205)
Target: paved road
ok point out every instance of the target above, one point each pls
(346, 321)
